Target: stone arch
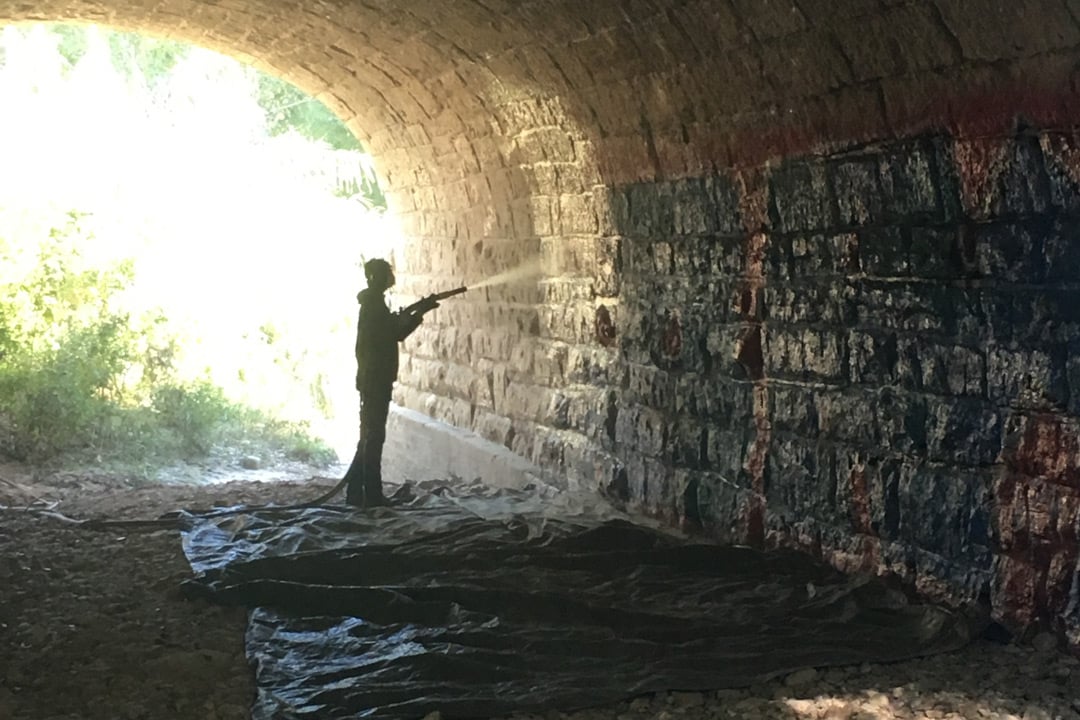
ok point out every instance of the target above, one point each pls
(805, 185)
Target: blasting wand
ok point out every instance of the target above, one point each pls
(428, 302)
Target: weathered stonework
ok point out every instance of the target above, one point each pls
(809, 269)
(886, 377)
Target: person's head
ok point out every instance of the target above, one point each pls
(379, 274)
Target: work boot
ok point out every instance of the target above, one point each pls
(375, 499)
(373, 495)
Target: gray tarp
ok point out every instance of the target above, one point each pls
(479, 603)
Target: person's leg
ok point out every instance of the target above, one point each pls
(354, 476)
(374, 413)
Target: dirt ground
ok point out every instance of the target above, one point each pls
(93, 624)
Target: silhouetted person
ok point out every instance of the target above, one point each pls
(378, 332)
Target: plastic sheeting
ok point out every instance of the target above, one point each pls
(481, 603)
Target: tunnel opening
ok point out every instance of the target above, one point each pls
(179, 263)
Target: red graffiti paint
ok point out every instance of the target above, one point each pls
(860, 501)
(820, 127)
(979, 163)
(1037, 503)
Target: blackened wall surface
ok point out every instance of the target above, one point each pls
(869, 354)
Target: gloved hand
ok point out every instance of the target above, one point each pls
(427, 304)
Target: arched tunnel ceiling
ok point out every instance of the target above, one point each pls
(660, 89)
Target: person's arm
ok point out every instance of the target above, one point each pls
(408, 319)
(360, 351)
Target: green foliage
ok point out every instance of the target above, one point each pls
(366, 190)
(152, 59)
(287, 108)
(79, 377)
(73, 43)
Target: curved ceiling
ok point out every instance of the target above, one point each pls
(660, 88)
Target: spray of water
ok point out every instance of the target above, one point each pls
(528, 269)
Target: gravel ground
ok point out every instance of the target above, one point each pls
(93, 625)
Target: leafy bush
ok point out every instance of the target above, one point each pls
(77, 376)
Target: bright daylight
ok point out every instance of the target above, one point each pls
(180, 247)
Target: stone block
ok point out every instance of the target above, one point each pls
(1061, 164)
(1061, 251)
(812, 256)
(1043, 445)
(1011, 252)
(963, 431)
(592, 366)
(577, 215)
(729, 256)
(847, 417)
(549, 362)
(634, 487)
(933, 253)
(928, 366)
(495, 428)
(806, 354)
(1047, 314)
(871, 44)
(490, 343)
(649, 385)
(883, 252)
(689, 443)
(800, 480)
(884, 476)
(872, 357)
(725, 453)
(899, 422)
(946, 513)
(858, 491)
(1024, 188)
(525, 401)
(857, 190)
(910, 178)
(1028, 378)
(723, 201)
(692, 211)
(587, 468)
(1072, 378)
(998, 31)
(724, 343)
(650, 212)
(800, 198)
(607, 275)
(661, 493)
(953, 312)
(770, 18)
(724, 507)
(792, 409)
(1009, 315)
(643, 429)
(713, 396)
(590, 412)
(831, 304)
(1035, 515)
(546, 449)
(693, 257)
